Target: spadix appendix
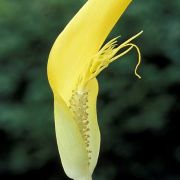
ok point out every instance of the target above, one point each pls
(76, 59)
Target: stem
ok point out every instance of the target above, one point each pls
(88, 177)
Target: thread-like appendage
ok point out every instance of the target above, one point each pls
(79, 106)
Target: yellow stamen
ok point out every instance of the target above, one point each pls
(105, 56)
(139, 58)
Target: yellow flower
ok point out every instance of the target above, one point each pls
(74, 62)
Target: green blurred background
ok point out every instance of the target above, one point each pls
(139, 119)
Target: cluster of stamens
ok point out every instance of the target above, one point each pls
(106, 55)
(78, 105)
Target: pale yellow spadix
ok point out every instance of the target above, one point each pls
(74, 62)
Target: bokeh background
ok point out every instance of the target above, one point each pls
(139, 119)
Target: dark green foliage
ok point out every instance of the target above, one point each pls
(138, 118)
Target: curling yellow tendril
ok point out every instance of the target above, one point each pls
(105, 56)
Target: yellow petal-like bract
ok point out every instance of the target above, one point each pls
(74, 62)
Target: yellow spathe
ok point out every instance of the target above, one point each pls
(74, 62)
